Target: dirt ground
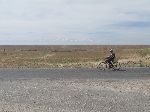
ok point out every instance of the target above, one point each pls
(75, 95)
(72, 56)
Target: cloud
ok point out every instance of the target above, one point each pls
(133, 24)
(73, 21)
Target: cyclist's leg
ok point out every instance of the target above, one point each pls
(110, 63)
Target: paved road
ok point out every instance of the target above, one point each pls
(76, 73)
(40, 93)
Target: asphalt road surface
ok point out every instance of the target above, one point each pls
(75, 90)
(76, 73)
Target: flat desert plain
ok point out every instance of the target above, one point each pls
(54, 56)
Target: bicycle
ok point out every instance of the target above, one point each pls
(105, 66)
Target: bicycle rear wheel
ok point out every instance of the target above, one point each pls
(102, 66)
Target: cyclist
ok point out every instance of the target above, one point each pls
(110, 59)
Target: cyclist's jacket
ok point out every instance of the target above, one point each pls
(112, 56)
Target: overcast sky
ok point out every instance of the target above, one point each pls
(74, 21)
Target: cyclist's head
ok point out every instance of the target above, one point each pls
(111, 50)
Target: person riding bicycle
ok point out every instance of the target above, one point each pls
(110, 59)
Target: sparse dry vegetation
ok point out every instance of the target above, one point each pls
(71, 56)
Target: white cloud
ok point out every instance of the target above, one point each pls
(68, 21)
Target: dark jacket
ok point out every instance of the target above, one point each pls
(112, 56)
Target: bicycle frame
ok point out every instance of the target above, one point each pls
(104, 65)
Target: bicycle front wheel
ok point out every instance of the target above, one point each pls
(117, 66)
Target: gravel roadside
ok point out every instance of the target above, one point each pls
(74, 95)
